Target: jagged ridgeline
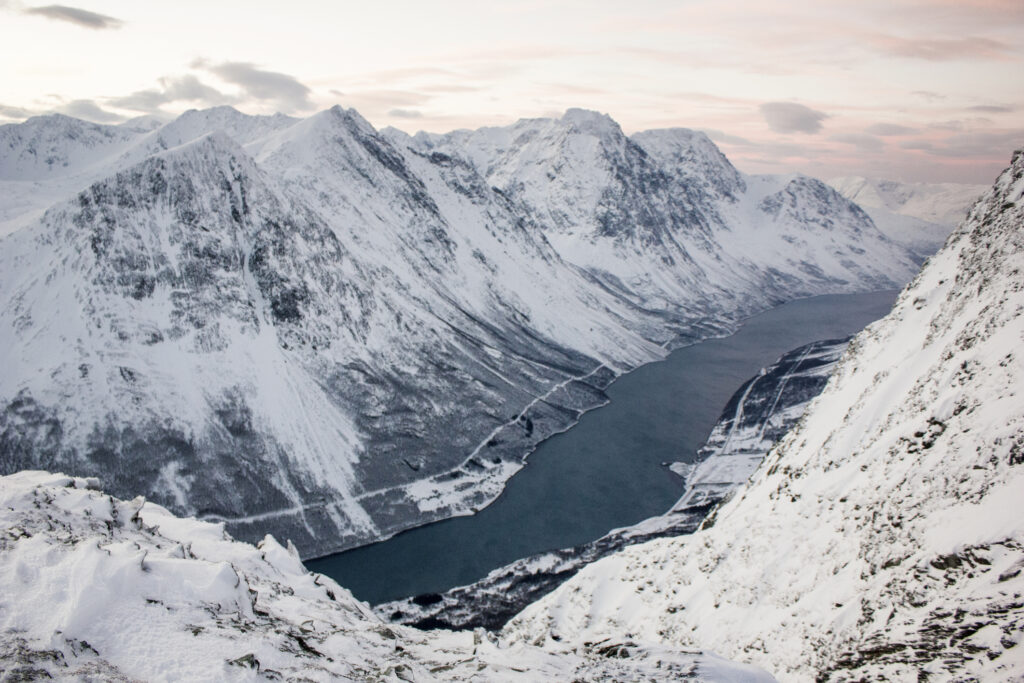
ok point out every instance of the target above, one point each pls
(330, 333)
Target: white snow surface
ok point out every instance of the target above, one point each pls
(881, 539)
(96, 588)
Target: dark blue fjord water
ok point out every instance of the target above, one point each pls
(606, 472)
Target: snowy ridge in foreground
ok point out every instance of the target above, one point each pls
(881, 539)
(96, 588)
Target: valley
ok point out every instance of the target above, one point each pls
(311, 328)
(609, 470)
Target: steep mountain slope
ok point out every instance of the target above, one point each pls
(878, 540)
(103, 589)
(308, 327)
(917, 215)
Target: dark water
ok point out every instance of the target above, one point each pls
(605, 472)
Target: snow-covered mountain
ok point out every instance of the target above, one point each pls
(664, 218)
(95, 588)
(312, 328)
(756, 416)
(919, 216)
(880, 539)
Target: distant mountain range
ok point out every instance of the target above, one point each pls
(917, 215)
(331, 333)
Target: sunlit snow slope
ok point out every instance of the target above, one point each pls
(881, 540)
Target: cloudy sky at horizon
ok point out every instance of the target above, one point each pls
(918, 90)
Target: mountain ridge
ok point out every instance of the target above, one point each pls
(352, 283)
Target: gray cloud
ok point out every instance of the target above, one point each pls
(186, 88)
(991, 108)
(916, 144)
(406, 114)
(372, 103)
(944, 49)
(90, 111)
(269, 86)
(961, 124)
(886, 129)
(928, 95)
(10, 112)
(980, 145)
(790, 117)
(865, 143)
(75, 15)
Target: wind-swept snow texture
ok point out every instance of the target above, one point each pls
(881, 539)
(757, 416)
(96, 588)
(312, 328)
(919, 216)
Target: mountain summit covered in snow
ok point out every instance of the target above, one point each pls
(332, 333)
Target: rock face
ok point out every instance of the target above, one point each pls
(876, 541)
(756, 416)
(312, 328)
(96, 588)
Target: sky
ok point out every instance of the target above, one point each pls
(913, 90)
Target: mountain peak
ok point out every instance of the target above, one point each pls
(351, 117)
(219, 110)
(692, 154)
(590, 121)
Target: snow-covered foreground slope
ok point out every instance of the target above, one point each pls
(881, 540)
(917, 215)
(311, 328)
(95, 588)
